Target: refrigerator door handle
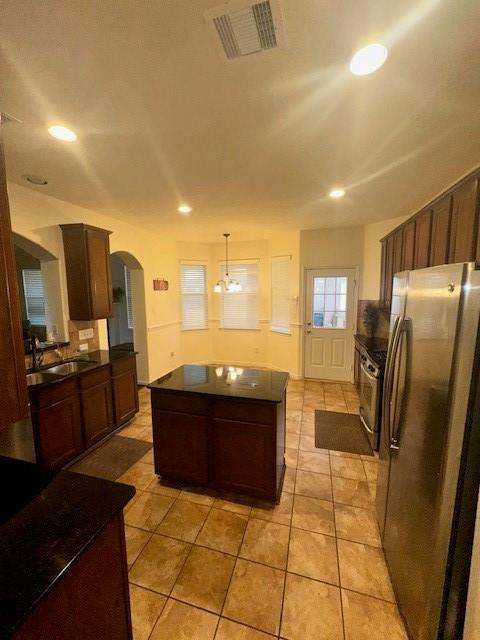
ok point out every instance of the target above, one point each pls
(387, 389)
(394, 433)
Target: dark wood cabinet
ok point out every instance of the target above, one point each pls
(444, 232)
(90, 601)
(439, 241)
(464, 223)
(408, 252)
(356, 368)
(229, 444)
(13, 398)
(423, 228)
(97, 405)
(87, 262)
(125, 390)
(57, 423)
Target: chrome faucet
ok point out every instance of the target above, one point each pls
(37, 356)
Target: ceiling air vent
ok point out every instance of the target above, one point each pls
(245, 28)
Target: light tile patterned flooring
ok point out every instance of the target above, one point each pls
(310, 568)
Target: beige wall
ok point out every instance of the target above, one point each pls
(372, 252)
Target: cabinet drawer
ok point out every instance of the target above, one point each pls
(123, 365)
(181, 402)
(247, 411)
(53, 393)
(92, 378)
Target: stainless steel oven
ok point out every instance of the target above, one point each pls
(370, 391)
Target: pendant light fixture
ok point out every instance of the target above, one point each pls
(226, 285)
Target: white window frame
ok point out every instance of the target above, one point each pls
(203, 296)
(280, 294)
(128, 296)
(25, 277)
(233, 266)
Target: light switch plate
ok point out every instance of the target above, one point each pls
(83, 346)
(85, 334)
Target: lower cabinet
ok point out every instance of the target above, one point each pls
(90, 601)
(125, 391)
(356, 368)
(58, 429)
(228, 444)
(97, 405)
(71, 415)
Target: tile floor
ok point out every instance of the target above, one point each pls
(208, 567)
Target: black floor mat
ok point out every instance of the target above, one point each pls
(341, 432)
(113, 458)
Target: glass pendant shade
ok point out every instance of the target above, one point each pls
(226, 285)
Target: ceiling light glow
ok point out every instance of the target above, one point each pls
(184, 208)
(337, 193)
(368, 59)
(62, 133)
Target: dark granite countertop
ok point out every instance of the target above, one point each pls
(97, 359)
(46, 524)
(236, 382)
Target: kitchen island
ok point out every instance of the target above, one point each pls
(221, 427)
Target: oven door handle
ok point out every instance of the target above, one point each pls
(367, 373)
(364, 422)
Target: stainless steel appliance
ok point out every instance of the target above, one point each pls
(370, 393)
(428, 482)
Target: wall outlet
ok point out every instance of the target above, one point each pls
(83, 346)
(85, 334)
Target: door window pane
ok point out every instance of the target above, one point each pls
(330, 303)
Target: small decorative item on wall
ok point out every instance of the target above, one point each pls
(160, 284)
(370, 318)
(118, 294)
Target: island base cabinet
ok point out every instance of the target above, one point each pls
(91, 601)
(180, 446)
(244, 458)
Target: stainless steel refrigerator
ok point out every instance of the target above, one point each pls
(429, 461)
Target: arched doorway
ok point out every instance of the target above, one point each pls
(127, 328)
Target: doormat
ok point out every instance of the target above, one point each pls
(113, 458)
(341, 432)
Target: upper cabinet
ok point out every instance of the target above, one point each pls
(87, 261)
(13, 396)
(444, 232)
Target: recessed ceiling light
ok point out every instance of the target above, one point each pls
(368, 59)
(184, 208)
(62, 133)
(337, 193)
(29, 177)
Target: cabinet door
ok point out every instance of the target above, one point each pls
(243, 457)
(408, 254)
(440, 232)
(13, 398)
(125, 396)
(58, 430)
(423, 229)
(389, 254)
(357, 369)
(464, 223)
(99, 273)
(180, 446)
(397, 250)
(97, 412)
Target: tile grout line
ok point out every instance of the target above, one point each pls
(338, 558)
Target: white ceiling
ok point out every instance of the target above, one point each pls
(253, 144)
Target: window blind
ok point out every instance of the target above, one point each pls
(128, 296)
(280, 299)
(240, 309)
(34, 296)
(194, 296)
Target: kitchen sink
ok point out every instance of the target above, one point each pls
(75, 366)
(39, 377)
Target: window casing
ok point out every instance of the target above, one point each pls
(239, 310)
(194, 296)
(128, 296)
(34, 296)
(280, 290)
